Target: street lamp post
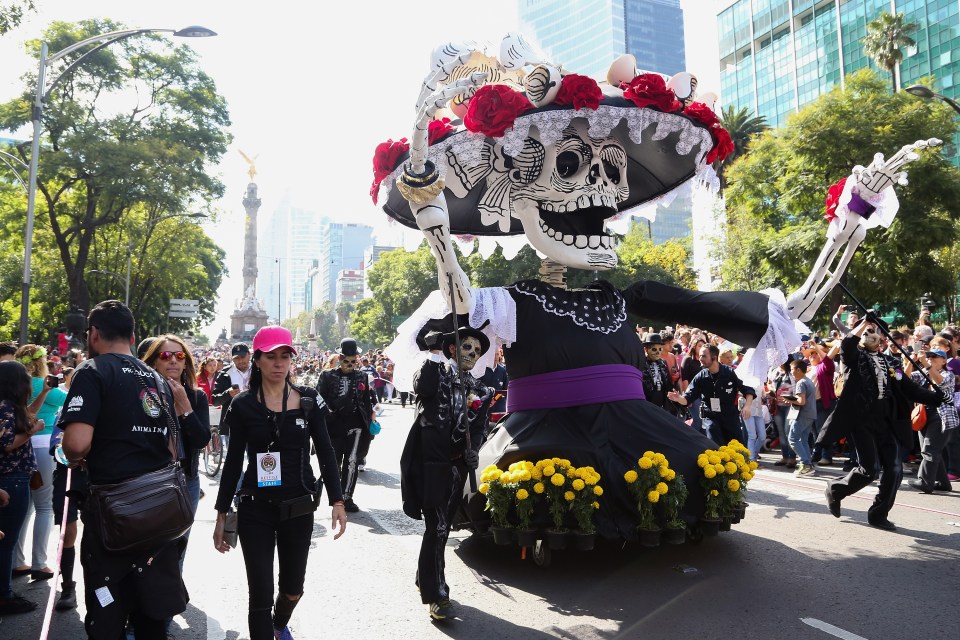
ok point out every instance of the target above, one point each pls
(36, 115)
(925, 92)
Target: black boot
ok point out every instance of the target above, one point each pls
(68, 597)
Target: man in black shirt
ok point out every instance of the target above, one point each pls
(717, 385)
(111, 423)
(350, 398)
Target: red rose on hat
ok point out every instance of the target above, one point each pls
(723, 145)
(833, 199)
(650, 90)
(438, 128)
(493, 108)
(581, 91)
(385, 160)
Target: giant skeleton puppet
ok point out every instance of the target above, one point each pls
(553, 156)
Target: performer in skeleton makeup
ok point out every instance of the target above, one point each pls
(351, 398)
(436, 458)
(553, 156)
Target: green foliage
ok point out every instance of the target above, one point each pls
(11, 14)
(775, 199)
(742, 126)
(328, 334)
(128, 138)
(887, 36)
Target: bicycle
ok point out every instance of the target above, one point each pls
(213, 453)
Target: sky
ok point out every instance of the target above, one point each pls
(312, 88)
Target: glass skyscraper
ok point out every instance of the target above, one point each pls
(585, 36)
(778, 55)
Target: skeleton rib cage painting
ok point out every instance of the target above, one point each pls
(509, 147)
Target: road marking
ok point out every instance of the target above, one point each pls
(832, 630)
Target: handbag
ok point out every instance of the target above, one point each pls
(146, 512)
(918, 417)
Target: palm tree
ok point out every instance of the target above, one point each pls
(887, 36)
(742, 125)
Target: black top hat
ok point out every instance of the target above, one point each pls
(466, 332)
(348, 347)
(653, 338)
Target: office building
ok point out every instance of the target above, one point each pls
(342, 247)
(778, 55)
(290, 243)
(350, 286)
(585, 36)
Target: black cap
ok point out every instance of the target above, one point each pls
(240, 349)
(144, 346)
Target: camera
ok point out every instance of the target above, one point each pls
(677, 348)
(53, 381)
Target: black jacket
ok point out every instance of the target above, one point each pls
(195, 431)
(437, 438)
(348, 409)
(221, 392)
(860, 392)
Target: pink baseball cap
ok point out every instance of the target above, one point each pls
(272, 338)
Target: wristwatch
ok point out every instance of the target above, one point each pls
(186, 415)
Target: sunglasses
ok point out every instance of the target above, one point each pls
(170, 355)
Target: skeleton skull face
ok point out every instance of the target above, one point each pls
(469, 352)
(563, 211)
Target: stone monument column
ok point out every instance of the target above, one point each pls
(251, 316)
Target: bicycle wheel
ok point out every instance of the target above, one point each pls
(213, 454)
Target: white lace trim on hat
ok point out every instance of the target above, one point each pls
(780, 340)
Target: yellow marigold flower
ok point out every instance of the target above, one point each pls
(630, 476)
(671, 475)
(524, 475)
(484, 488)
(555, 461)
(495, 473)
(746, 475)
(733, 485)
(653, 496)
(709, 472)
(649, 454)
(659, 458)
(592, 479)
(645, 463)
(730, 467)
(522, 494)
(702, 460)
(549, 470)
(539, 488)
(598, 490)
(557, 479)
(661, 488)
(719, 468)
(713, 458)
(569, 496)
(506, 477)
(753, 465)
(663, 470)
(578, 484)
(571, 473)
(536, 473)
(596, 505)
(724, 456)
(714, 492)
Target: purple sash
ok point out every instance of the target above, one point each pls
(575, 387)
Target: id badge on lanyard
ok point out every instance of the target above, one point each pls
(715, 405)
(268, 464)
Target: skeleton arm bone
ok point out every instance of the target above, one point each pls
(868, 187)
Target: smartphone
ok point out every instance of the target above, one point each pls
(235, 386)
(53, 381)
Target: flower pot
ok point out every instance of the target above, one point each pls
(502, 535)
(710, 526)
(674, 535)
(725, 523)
(742, 510)
(735, 518)
(649, 537)
(556, 539)
(527, 537)
(583, 541)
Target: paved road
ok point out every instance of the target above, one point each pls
(789, 570)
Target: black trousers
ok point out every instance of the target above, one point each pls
(933, 441)
(261, 531)
(879, 454)
(350, 450)
(436, 520)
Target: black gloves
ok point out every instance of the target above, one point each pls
(433, 340)
(871, 316)
(471, 458)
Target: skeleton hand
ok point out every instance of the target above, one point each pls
(422, 187)
(849, 228)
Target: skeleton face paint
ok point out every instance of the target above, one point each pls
(469, 353)
(348, 364)
(578, 188)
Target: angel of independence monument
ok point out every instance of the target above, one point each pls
(251, 316)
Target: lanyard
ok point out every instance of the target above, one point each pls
(272, 415)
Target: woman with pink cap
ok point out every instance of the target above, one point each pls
(274, 422)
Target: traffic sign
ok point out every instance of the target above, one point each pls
(184, 304)
(182, 314)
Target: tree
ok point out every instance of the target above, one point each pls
(343, 310)
(742, 125)
(775, 199)
(152, 155)
(887, 36)
(11, 14)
